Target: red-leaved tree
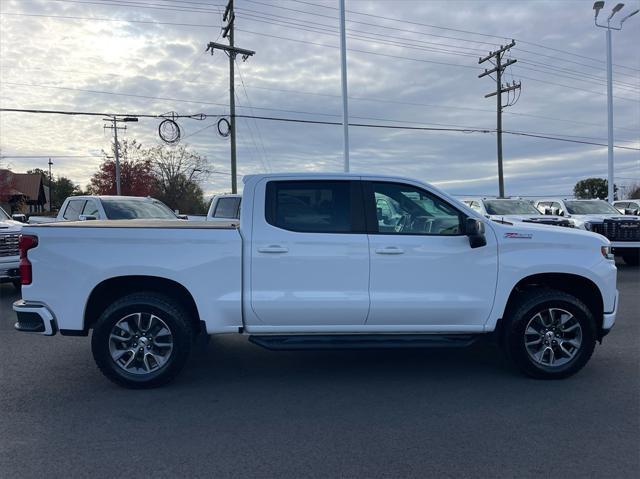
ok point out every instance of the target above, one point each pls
(136, 174)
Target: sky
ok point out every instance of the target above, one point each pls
(409, 63)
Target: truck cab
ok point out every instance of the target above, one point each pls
(224, 208)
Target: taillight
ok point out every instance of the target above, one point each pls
(26, 243)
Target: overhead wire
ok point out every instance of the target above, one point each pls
(338, 123)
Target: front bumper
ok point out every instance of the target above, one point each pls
(34, 318)
(609, 319)
(625, 244)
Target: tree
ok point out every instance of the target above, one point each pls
(136, 173)
(178, 172)
(634, 192)
(593, 188)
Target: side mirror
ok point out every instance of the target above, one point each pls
(87, 217)
(182, 217)
(22, 218)
(474, 229)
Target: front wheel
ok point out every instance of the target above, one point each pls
(142, 340)
(549, 334)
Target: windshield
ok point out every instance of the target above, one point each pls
(595, 207)
(4, 215)
(128, 209)
(510, 207)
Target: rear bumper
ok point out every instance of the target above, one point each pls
(34, 318)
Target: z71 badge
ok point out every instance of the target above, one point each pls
(518, 235)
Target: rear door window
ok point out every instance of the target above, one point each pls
(315, 206)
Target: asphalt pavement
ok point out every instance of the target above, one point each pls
(241, 411)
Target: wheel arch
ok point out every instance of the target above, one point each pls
(576, 285)
(111, 289)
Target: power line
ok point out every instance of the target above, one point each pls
(327, 122)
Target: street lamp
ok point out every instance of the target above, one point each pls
(597, 6)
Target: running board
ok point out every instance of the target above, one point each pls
(363, 341)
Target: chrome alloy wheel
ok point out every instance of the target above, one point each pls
(553, 337)
(140, 343)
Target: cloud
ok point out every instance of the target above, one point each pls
(423, 78)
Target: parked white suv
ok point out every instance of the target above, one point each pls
(9, 257)
(514, 209)
(600, 217)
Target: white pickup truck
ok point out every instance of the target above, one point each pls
(105, 207)
(312, 265)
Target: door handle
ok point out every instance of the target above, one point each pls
(390, 250)
(273, 248)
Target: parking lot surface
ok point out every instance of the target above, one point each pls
(241, 411)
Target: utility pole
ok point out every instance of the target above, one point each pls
(498, 68)
(116, 149)
(50, 187)
(231, 50)
(597, 6)
(345, 96)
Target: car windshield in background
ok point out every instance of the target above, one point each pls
(123, 209)
(596, 207)
(4, 215)
(510, 207)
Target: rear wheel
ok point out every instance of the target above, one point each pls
(142, 340)
(550, 334)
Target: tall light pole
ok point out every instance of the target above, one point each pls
(597, 6)
(345, 96)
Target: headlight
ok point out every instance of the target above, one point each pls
(587, 226)
(606, 252)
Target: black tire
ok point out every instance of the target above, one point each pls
(175, 319)
(632, 258)
(541, 300)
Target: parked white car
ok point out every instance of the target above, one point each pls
(514, 209)
(628, 207)
(600, 217)
(224, 208)
(81, 208)
(9, 257)
(312, 265)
